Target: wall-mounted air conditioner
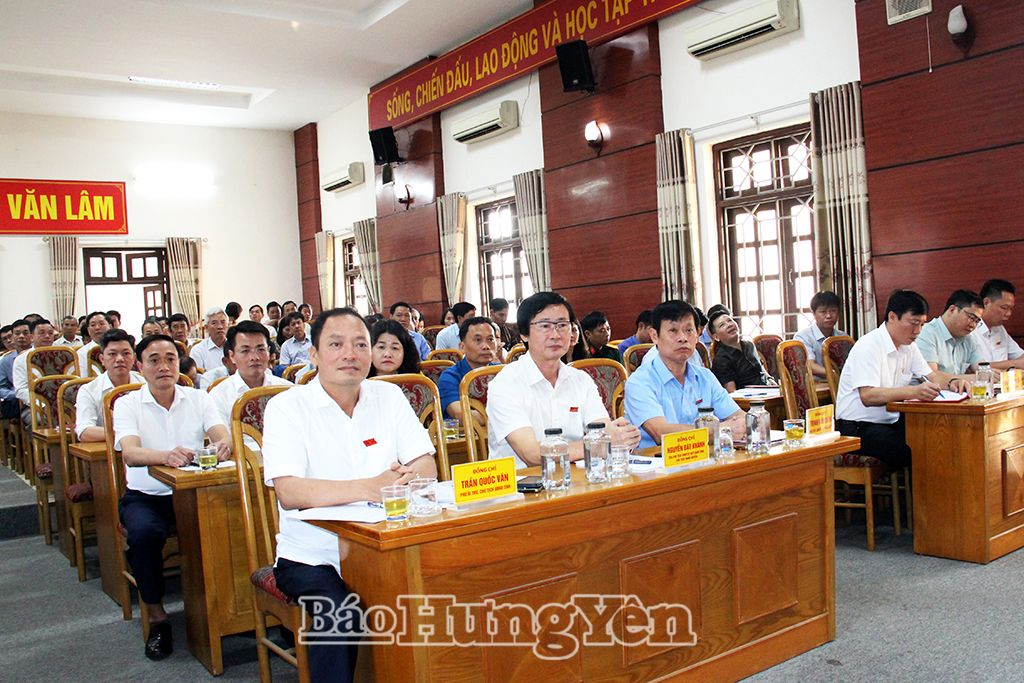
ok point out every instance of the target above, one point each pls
(487, 123)
(745, 27)
(344, 178)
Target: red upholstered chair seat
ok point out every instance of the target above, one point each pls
(855, 460)
(44, 471)
(263, 578)
(78, 493)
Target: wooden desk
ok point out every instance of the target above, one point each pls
(50, 439)
(214, 568)
(94, 453)
(968, 479)
(776, 405)
(747, 546)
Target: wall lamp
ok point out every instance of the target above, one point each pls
(595, 133)
(960, 29)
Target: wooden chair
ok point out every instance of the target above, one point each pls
(515, 352)
(290, 371)
(615, 342)
(182, 349)
(216, 382)
(14, 443)
(430, 333)
(853, 469)
(610, 378)
(42, 393)
(422, 395)
(454, 355)
(95, 365)
(634, 355)
(766, 344)
(705, 358)
(79, 513)
(51, 360)
(308, 377)
(834, 352)
(260, 522)
(185, 381)
(434, 368)
(473, 396)
(711, 352)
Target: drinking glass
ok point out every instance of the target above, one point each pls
(726, 449)
(451, 429)
(794, 432)
(423, 497)
(206, 456)
(618, 462)
(396, 502)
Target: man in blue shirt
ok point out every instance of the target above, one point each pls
(643, 332)
(479, 342)
(663, 395)
(448, 338)
(22, 341)
(402, 312)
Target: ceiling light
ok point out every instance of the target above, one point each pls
(169, 83)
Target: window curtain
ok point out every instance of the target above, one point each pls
(325, 268)
(184, 264)
(369, 260)
(841, 204)
(451, 224)
(64, 274)
(532, 211)
(678, 238)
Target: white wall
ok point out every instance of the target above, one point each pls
(248, 216)
(341, 139)
(708, 96)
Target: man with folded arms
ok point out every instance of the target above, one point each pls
(736, 363)
(479, 345)
(209, 353)
(160, 424)
(118, 358)
(248, 349)
(881, 368)
(337, 440)
(946, 342)
(96, 325)
(997, 346)
(539, 392)
(663, 395)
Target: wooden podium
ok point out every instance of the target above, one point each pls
(746, 546)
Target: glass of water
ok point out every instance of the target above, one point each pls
(726, 449)
(423, 497)
(396, 502)
(618, 462)
(206, 456)
(451, 428)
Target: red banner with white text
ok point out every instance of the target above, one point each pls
(513, 49)
(62, 207)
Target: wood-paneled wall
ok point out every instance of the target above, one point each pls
(307, 179)
(603, 208)
(944, 148)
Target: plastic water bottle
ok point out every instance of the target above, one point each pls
(758, 429)
(596, 447)
(706, 420)
(554, 461)
(983, 386)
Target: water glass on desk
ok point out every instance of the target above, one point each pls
(794, 432)
(618, 462)
(451, 429)
(423, 497)
(554, 461)
(206, 457)
(396, 502)
(726, 449)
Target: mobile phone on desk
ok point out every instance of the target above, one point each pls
(530, 485)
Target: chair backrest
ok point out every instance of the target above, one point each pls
(610, 378)
(454, 355)
(290, 371)
(705, 358)
(473, 397)
(182, 348)
(67, 400)
(796, 378)
(434, 368)
(185, 381)
(634, 355)
(42, 393)
(216, 382)
(115, 463)
(95, 364)
(422, 395)
(51, 360)
(615, 342)
(835, 351)
(430, 333)
(258, 501)
(766, 344)
(308, 377)
(711, 351)
(515, 352)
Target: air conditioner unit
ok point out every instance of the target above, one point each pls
(487, 123)
(344, 178)
(734, 31)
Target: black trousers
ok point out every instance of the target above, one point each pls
(887, 442)
(329, 662)
(148, 521)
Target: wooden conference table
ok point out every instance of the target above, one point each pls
(94, 455)
(747, 546)
(968, 476)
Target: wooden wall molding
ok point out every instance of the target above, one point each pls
(307, 181)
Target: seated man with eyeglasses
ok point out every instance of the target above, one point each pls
(946, 342)
(882, 367)
(539, 392)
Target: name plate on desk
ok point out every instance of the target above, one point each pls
(684, 448)
(1012, 380)
(476, 481)
(821, 420)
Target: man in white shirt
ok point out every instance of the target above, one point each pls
(68, 333)
(448, 338)
(209, 353)
(539, 392)
(207, 379)
(118, 357)
(825, 307)
(337, 440)
(296, 348)
(881, 367)
(161, 424)
(248, 349)
(42, 335)
(96, 325)
(180, 327)
(996, 344)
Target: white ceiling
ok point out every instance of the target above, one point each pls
(279, 63)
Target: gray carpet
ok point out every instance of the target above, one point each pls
(18, 516)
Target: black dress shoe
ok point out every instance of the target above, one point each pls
(160, 644)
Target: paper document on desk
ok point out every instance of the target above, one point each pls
(353, 512)
(196, 468)
(950, 397)
(756, 392)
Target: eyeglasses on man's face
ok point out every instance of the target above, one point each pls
(546, 326)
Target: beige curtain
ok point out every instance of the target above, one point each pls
(369, 260)
(184, 263)
(325, 268)
(841, 204)
(451, 225)
(678, 237)
(64, 274)
(532, 211)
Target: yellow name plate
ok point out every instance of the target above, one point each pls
(1012, 380)
(685, 448)
(821, 420)
(484, 480)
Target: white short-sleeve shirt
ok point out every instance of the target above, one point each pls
(813, 340)
(89, 404)
(995, 343)
(519, 396)
(83, 358)
(192, 414)
(207, 355)
(306, 434)
(19, 377)
(227, 392)
(875, 361)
